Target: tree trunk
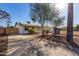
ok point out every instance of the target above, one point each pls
(56, 30)
(70, 23)
(8, 23)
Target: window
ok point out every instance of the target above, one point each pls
(26, 28)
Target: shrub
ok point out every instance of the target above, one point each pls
(76, 28)
(31, 31)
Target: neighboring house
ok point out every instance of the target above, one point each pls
(20, 28)
(23, 28)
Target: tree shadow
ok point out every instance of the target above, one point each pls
(27, 48)
(32, 49)
(61, 41)
(3, 45)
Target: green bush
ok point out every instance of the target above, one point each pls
(31, 31)
(43, 30)
(76, 27)
(63, 29)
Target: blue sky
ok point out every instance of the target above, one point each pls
(20, 12)
(76, 13)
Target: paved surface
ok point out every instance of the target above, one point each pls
(30, 45)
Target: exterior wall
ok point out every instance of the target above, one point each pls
(36, 29)
(22, 30)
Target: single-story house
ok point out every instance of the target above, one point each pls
(23, 28)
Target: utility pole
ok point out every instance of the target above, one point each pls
(70, 23)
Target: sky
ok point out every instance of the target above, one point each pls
(20, 12)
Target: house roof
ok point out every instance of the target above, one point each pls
(27, 25)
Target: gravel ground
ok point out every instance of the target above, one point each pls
(31, 45)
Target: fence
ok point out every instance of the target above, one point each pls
(2, 31)
(9, 31)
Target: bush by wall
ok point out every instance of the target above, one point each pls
(31, 31)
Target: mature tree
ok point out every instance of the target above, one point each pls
(57, 21)
(33, 19)
(70, 23)
(77, 27)
(42, 13)
(28, 22)
(6, 16)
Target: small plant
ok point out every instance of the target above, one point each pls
(76, 28)
(31, 31)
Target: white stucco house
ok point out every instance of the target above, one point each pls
(23, 28)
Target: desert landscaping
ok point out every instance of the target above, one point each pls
(38, 29)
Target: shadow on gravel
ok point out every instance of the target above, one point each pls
(60, 41)
(32, 47)
(3, 45)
